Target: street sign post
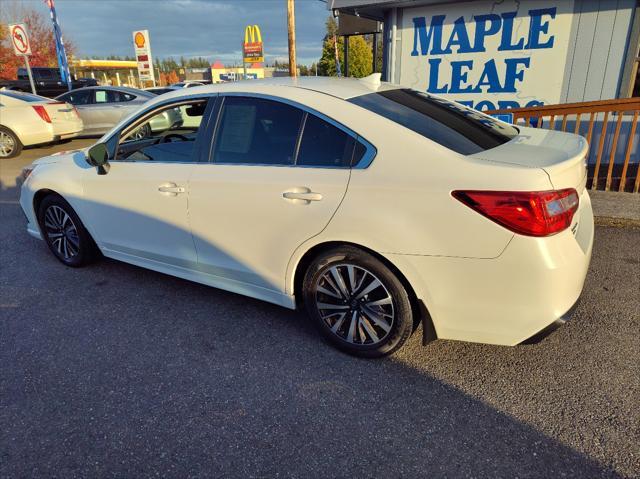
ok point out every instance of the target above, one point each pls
(142, 48)
(22, 47)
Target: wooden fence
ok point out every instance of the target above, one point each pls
(620, 160)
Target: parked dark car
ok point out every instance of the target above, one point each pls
(47, 81)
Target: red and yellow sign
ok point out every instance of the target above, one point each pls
(142, 47)
(252, 49)
(139, 40)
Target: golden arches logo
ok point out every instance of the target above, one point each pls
(252, 34)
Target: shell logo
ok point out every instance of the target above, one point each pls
(138, 39)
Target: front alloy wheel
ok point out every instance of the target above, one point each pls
(64, 233)
(357, 302)
(61, 232)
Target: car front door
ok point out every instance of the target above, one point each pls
(137, 212)
(275, 177)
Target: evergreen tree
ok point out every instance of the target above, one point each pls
(360, 53)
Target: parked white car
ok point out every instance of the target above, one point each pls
(27, 119)
(374, 207)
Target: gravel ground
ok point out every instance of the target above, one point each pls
(115, 371)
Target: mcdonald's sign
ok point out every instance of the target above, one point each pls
(252, 50)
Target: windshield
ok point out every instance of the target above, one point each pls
(452, 125)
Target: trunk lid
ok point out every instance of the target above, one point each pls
(64, 117)
(60, 111)
(561, 155)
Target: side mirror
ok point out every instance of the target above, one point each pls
(99, 157)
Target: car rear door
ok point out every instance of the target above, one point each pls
(256, 200)
(105, 111)
(82, 100)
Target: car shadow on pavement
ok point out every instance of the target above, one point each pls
(117, 370)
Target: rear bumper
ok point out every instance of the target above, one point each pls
(66, 136)
(508, 299)
(561, 321)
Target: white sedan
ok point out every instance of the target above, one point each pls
(27, 119)
(373, 207)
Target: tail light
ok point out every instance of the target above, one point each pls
(538, 213)
(40, 110)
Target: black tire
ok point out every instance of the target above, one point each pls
(143, 132)
(352, 265)
(6, 133)
(72, 249)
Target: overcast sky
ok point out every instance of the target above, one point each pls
(209, 28)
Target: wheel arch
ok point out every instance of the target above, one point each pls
(40, 195)
(13, 132)
(419, 309)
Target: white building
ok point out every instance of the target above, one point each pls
(513, 53)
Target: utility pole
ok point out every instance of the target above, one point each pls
(291, 28)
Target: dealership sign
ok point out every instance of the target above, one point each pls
(488, 55)
(143, 55)
(252, 50)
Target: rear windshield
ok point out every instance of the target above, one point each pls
(18, 95)
(452, 125)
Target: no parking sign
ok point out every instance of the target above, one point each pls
(20, 39)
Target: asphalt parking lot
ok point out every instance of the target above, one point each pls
(115, 371)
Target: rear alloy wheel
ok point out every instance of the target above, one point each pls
(358, 304)
(64, 233)
(10, 145)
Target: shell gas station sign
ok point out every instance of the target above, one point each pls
(142, 48)
(252, 48)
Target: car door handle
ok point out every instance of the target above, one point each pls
(171, 189)
(305, 194)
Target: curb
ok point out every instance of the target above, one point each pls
(616, 222)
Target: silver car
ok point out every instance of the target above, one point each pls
(102, 107)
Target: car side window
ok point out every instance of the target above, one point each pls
(122, 96)
(324, 145)
(167, 134)
(78, 97)
(102, 96)
(257, 131)
(110, 96)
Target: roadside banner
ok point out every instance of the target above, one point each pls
(61, 53)
(142, 48)
(252, 48)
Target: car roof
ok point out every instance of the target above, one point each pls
(123, 89)
(343, 88)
